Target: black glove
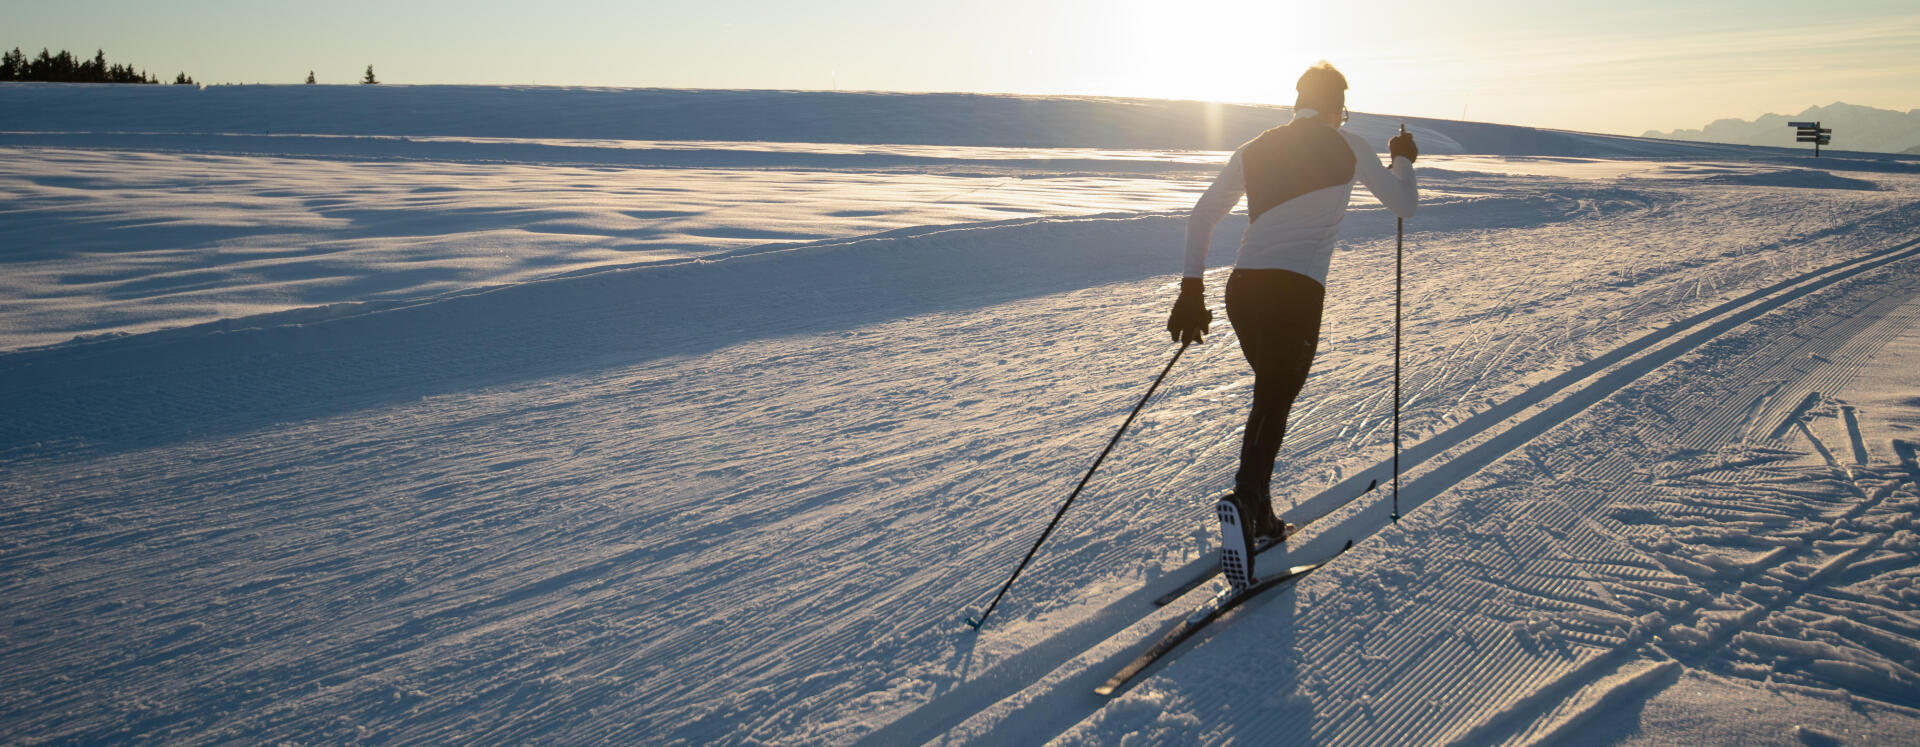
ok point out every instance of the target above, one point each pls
(1190, 318)
(1401, 146)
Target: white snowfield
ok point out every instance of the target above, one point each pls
(594, 416)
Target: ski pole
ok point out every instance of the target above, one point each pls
(975, 622)
(1399, 239)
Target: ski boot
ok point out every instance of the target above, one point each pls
(1268, 529)
(1236, 542)
(1257, 505)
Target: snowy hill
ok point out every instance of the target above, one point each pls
(1856, 128)
(550, 113)
(489, 421)
(250, 200)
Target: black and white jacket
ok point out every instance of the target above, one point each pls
(1297, 179)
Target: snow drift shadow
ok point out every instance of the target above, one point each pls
(232, 376)
(1805, 179)
(144, 390)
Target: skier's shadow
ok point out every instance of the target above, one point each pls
(1267, 646)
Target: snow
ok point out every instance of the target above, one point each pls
(578, 415)
(225, 236)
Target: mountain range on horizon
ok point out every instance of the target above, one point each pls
(1857, 128)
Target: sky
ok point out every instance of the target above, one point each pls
(1620, 67)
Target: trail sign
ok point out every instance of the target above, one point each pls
(1811, 132)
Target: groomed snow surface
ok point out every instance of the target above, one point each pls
(598, 416)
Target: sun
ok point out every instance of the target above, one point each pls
(1224, 50)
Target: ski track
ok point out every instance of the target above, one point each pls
(751, 500)
(1495, 442)
(1631, 602)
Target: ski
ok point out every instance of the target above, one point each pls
(1200, 579)
(1206, 613)
(1259, 546)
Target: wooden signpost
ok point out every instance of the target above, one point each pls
(1812, 132)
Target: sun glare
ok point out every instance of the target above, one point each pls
(1226, 50)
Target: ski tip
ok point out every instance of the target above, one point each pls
(973, 622)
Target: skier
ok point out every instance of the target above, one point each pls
(1297, 179)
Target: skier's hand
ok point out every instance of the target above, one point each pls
(1190, 318)
(1401, 146)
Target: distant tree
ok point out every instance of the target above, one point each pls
(369, 79)
(13, 65)
(49, 68)
(310, 80)
(65, 68)
(182, 80)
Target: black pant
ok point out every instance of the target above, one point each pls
(1276, 314)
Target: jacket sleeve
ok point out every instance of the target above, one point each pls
(1215, 204)
(1395, 187)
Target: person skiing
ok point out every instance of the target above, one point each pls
(1297, 179)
